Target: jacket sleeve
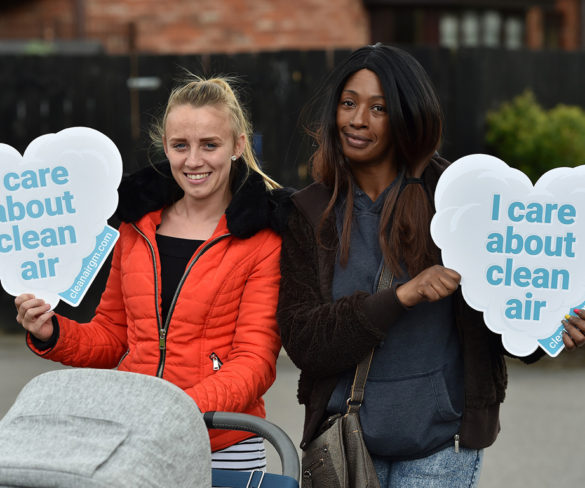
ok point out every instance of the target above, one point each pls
(99, 343)
(250, 367)
(322, 337)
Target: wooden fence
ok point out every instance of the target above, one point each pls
(44, 94)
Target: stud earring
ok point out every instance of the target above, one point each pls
(234, 158)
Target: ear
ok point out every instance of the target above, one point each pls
(240, 145)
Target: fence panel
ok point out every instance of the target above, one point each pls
(41, 95)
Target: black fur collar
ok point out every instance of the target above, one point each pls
(252, 208)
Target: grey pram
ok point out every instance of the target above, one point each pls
(90, 428)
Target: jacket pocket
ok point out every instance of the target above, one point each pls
(409, 416)
(122, 358)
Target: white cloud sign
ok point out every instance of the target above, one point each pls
(54, 204)
(520, 248)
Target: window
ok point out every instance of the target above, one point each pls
(513, 33)
(475, 28)
(470, 29)
(448, 31)
(491, 28)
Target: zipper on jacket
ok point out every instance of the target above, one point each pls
(163, 329)
(456, 438)
(156, 293)
(123, 357)
(217, 364)
(161, 363)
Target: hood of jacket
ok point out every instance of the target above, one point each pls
(253, 207)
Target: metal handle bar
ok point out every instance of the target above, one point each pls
(274, 434)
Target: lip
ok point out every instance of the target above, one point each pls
(197, 178)
(355, 140)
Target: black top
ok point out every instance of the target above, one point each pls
(175, 253)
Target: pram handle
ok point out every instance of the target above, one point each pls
(274, 434)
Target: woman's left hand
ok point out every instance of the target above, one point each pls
(574, 336)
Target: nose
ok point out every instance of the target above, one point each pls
(193, 158)
(359, 118)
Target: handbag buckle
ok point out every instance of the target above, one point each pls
(353, 403)
(353, 406)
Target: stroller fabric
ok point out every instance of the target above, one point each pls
(86, 428)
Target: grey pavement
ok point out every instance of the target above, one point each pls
(541, 445)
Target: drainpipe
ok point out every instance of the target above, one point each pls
(582, 24)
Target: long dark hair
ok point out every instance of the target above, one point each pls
(415, 132)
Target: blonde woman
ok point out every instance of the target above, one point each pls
(192, 291)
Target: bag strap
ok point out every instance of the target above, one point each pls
(354, 402)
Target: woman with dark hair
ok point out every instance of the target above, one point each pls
(438, 375)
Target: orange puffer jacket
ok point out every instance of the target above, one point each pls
(225, 308)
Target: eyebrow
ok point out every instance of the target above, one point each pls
(353, 92)
(202, 139)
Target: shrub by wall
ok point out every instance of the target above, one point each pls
(533, 139)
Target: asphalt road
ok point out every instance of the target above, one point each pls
(541, 445)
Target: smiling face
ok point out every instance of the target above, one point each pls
(199, 143)
(362, 121)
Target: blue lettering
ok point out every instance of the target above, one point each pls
(490, 275)
(511, 215)
(496, 242)
(496, 207)
(514, 242)
(567, 214)
(527, 310)
(7, 178)
(522, 277)
(59, 175)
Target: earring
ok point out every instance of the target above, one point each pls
(234, 158)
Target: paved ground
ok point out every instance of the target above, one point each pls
(542, 443)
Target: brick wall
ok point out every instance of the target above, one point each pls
(189, 26)
(571, 16)
(37, 20)
(570, 25)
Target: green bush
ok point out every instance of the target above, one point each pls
(535, 140)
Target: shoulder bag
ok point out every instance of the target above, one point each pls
(337, 457)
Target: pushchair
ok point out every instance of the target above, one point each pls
(91, 428)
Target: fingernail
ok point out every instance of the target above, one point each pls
(577, 310)
(567, 317)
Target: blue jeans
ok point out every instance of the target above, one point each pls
(444, 469)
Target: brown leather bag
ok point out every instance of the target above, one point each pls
(337, 457)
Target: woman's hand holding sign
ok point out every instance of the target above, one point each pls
(430, 285)
(574, 335)
(34, 314)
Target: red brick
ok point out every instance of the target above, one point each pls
(205, 26)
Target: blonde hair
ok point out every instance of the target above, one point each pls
(217, 91)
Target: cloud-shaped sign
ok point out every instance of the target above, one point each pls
(54, 204)
(520, 249)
